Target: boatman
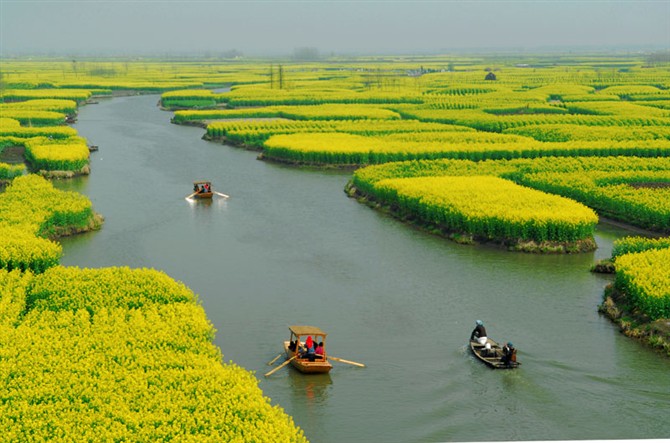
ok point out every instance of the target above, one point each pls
(509, 353)
(479, 333)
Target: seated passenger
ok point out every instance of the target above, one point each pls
(479, 333)
(319, 350)
(311, 354)
(309, 349)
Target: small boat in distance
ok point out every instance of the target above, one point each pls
(202, 189)
(296, 352)
(491, 353)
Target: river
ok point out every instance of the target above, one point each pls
(289, 247)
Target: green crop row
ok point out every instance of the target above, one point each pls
(68, 107)
(19, 95)
(564, 132)
(316, 112)
(627, 245)
(34, 117)
(351, 149)
(497, 123)
(55, 132)
(255, 133)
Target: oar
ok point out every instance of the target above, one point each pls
(346, 361)
(280, 366)
(271, 362)
(191, 195)
(222, 195)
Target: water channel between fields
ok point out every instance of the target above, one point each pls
(289, 247)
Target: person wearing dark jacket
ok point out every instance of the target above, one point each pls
(509, 353)
(479, 333)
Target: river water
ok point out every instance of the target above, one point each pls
(289, 247)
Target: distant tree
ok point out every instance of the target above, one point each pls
(658, 58)
(490, 76)
(233, 53)
(305, 54)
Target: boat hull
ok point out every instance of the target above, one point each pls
(494, 358)
(203, 195)
(305, 366)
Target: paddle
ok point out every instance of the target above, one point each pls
(222, 195)
(271, 362)
(280, 366)
(191, 195)
(346, 361)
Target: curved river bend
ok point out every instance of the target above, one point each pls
(289, 247)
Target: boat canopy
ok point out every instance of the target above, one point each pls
(202, 182)
(306, 330)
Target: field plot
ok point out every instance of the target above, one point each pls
(629, 189)
(142, 352)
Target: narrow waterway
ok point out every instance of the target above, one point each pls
(289, 247)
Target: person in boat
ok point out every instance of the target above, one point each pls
(508, 353)
(479, 333)
(292, 346)
(309, 349)
(319, 350)
(206, 187)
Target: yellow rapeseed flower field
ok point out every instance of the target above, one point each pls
(489, 207)
(645, 278)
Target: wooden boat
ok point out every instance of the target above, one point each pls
(492, 357)
(202, 189)
(299, 334)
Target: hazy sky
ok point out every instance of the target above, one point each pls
(278, 27)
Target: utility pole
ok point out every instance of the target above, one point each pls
(272, 77)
